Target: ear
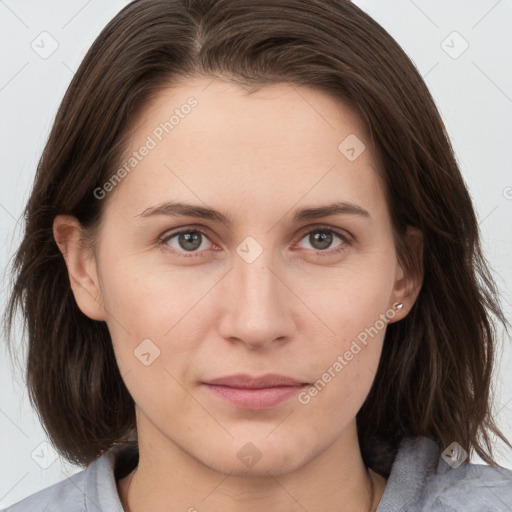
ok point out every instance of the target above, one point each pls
(81, 266)
(408, 285)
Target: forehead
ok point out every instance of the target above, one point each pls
(208, 139)
(273, 114)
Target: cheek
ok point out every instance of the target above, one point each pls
(356, 310)
(149, 319)
(138, 307)
(157, 317)
(352, 298)
(343, 373)
(151, 299)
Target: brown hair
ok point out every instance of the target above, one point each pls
(435, 371)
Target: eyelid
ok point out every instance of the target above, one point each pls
(184, 229)
(342, 233)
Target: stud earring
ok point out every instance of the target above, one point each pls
(398, 306)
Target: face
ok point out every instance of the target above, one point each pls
(251, 275)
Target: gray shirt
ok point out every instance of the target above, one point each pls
(420, 480)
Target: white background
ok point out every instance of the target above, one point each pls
(472, 91)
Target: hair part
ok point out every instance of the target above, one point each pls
(434, 374)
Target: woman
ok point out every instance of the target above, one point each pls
(251, 273)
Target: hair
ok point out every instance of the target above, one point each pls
(434, 375)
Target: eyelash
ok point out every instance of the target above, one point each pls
(193, 229)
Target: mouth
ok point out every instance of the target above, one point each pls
(256, 393)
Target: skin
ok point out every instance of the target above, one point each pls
(257, 158)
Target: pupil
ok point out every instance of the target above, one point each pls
(190, 241)
(323, 237)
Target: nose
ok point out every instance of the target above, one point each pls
(257, 305)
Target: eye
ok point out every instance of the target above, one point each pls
(322, 238)
(188, 242)
(194, 241)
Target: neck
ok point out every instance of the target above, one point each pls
(169, 479)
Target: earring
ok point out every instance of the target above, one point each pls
(398, 306)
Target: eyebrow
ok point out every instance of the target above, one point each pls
(174, 209)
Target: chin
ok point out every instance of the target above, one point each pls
(259, 458)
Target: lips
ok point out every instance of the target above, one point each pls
(246, 381)
(248, 392)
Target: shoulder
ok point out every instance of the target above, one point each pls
(422, 480)
(93, 488)
(469, 488)
(65, 495)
